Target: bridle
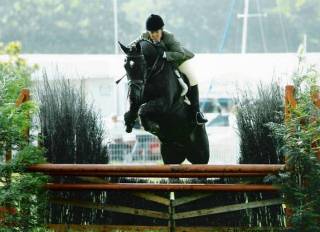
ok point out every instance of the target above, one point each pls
(140, 84)
(153, 66)
(137, 85)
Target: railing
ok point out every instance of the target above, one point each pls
(92, 172)
(182, 171)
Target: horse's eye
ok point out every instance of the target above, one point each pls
(131, 63)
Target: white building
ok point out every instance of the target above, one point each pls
(219, 76)
(224, 72)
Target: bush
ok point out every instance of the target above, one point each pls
(259, 146)
(300, 133)
(72, 132)
(22, 197)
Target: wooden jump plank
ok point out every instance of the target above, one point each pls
(227, 208)
(164, 187)
(159, 175)
(181, 168)
(135, 228)
(146, 196)
(187, 199)
(112, 208)
(153, 197)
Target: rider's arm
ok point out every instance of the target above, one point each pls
(175, 52)
(143, 35)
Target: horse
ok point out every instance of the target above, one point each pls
(155, 98)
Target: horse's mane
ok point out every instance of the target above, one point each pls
(149, 51)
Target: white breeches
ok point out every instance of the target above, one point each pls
(188, 69)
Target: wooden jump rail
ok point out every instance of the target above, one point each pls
(155, 169)
(159, 171)
(146, 190)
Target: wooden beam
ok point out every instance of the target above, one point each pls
(165, 187)
(146, 196)
(130, 228)
(152, 197)
(152, 169)
(228, 208)
(159, 175)
(187, 199)
(92, 179)
(112, 208)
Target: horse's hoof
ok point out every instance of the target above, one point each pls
(129, 129)
(201, 120)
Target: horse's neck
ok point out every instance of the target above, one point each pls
(162, 72)
(166, 75)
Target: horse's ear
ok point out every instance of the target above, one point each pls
(123, 48)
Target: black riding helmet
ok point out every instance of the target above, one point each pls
(154, 23)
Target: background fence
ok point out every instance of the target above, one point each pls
(143, 147)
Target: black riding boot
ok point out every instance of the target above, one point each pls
(193, 96)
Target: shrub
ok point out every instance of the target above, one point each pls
(22, 197)
(300, 133)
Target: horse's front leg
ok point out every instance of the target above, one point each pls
(129, 120)
(135, 97)
(148, 110)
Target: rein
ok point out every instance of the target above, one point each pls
(154, 68)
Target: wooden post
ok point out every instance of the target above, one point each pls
(315, 96)
(290, 103)
(23, 97)
(171, 222)
(8, 155)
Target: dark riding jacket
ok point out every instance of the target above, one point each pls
(173, 49)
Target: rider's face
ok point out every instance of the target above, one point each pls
(156, 35)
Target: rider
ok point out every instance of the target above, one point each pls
(178, 55)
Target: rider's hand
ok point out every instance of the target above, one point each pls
(161, 51)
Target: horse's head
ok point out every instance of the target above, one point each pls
(135, 64)
(135, 67)
(138, 59)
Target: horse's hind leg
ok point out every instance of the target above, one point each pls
(172, 153)
(199, 146)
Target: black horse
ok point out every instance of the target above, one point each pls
(155, 96)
